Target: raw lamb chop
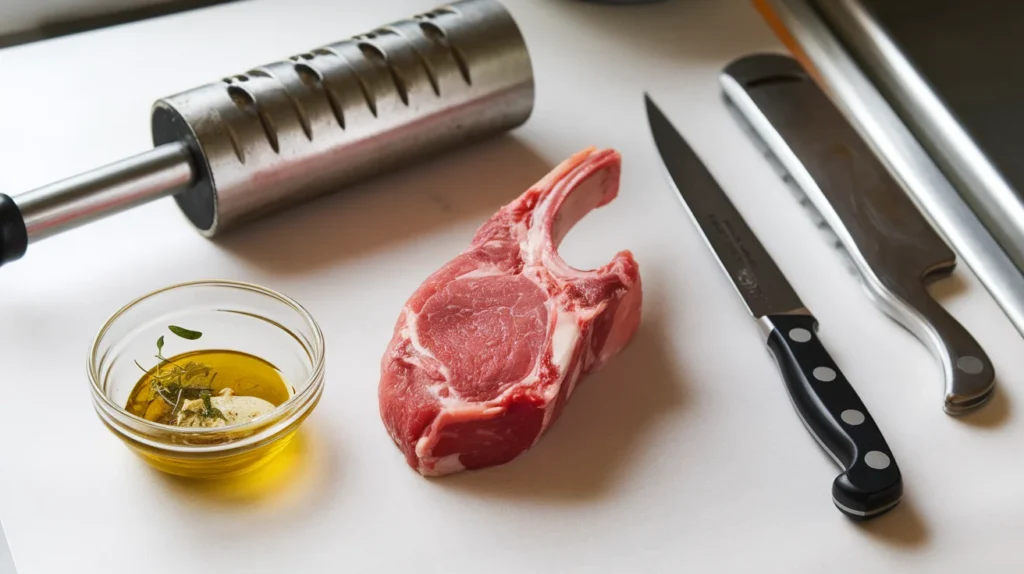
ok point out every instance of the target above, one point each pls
(489, 348)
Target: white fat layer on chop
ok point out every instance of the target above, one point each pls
(563, 343)
(445, 465)
(410, 333)
(491, 271)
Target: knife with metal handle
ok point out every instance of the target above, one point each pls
(870, 483)
(895, 250)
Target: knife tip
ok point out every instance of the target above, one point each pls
(649, 103)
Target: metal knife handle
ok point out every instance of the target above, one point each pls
(967, 370)
(84, 198)
(870, 483)
(893, 247)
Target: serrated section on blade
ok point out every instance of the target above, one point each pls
(787, 178)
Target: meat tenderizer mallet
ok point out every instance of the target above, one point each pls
(259, 142)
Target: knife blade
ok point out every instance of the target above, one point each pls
(870, 482)
(894, 250)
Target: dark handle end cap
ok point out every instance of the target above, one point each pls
(13, 234)
(860, 504)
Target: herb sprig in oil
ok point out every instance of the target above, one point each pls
(175, 383)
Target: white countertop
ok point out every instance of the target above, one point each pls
(682, 455)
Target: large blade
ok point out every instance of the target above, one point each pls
(759, 281)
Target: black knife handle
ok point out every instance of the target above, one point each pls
(13, 235)
(871, 483)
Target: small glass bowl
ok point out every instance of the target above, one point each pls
(231, 316)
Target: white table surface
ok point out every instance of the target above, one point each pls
(6, 561)
(683, 455)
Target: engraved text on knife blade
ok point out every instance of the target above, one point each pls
(743, 272)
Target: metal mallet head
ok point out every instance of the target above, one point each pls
(280, 134)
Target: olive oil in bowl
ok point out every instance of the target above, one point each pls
(214, 402)
(208, 389)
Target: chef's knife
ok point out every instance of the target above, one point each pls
(895, 251)
(870, 483)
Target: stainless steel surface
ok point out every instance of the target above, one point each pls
(289, 131)
(905, 157)
(6, 560)
(755, 275)
(24, 21)
(896, 252)
(280, 134)
(105, 191)
(991, 195)
(20, 16)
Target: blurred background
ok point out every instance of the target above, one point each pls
(24, 21)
